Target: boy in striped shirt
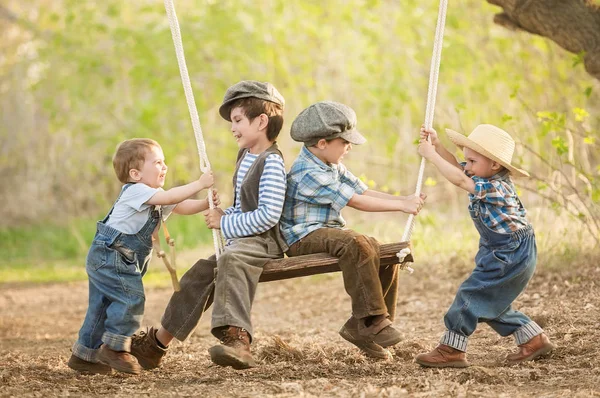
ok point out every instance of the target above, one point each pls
(251, 229)
(507, 252)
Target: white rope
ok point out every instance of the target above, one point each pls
(189, 96)
(431, 94)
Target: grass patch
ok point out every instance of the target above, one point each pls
(56, 253)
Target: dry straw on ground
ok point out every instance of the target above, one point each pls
(298, 348)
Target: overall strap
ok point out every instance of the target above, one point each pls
(105, 219)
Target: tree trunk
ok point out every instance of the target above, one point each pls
(572, 24)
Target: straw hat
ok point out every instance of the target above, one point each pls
(492, 142)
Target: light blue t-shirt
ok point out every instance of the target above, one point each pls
(131, 211)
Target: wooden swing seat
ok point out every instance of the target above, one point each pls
(321, 263)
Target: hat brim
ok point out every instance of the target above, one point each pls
(463, 141)
(225, 108)
(353, 137)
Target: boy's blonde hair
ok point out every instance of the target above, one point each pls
(131, 154)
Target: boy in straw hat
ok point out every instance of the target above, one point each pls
(507, 250)
(251, 228)
(319, 187)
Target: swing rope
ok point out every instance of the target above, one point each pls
(189, 96)
(431, 95)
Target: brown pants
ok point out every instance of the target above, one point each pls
(373, 290)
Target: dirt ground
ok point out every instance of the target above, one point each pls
(300, 352)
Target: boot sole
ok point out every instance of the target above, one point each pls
(383, 354)
(220, 356)
(89, 369)
(443, 364)
(545, 350)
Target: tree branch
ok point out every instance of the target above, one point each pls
(574, 25)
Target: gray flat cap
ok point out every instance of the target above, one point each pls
(328, 120)
(249, 88)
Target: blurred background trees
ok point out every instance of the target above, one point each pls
(77, 77)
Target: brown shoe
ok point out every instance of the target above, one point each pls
(234, 349)
(86, 367)
(350, 333)
(443, 356)
(119, 360)
(536, 347)
(380, 331)
(145, 348)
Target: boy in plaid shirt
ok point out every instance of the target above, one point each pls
(318, 188)
(507, 252)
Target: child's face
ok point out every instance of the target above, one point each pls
(332, 152)
(480, 166)
(247, 133)
(154, 169)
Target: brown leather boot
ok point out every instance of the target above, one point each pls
(443, 356)
(145, 348)
(536, 347)
(86, 367)
(234, 349)
(380, 331)
(119, 360)
(350, 333)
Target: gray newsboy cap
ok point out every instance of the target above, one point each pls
(328, 120)
(249, 88)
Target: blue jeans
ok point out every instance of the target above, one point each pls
(115, 265)
(504, 265)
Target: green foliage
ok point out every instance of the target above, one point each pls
(48, 244)
(77, 77)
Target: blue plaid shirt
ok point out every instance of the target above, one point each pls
(498, 203)
(315, 196)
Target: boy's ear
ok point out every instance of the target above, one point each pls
(496, 166)
(135, 174)
(264, 121)
(321, 144)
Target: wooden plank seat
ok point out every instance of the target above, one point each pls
(321, 263)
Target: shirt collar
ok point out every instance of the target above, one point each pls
(312, 158)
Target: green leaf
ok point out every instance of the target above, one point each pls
(560, 145)
(578, 58)
(580, 114)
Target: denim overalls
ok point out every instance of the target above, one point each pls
(115, 265)
(505, 263)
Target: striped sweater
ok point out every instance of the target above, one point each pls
(271, 195)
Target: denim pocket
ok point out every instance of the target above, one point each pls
(506, 254)
(97, 255)
(127, 260)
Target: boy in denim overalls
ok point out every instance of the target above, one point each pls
(251, 228)
(319, 187)
(507, 252)
(119, 255)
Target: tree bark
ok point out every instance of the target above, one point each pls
(572, 24)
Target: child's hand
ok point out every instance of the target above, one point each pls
(215, 197)
(212, 217)
(413, 205)
(429, 133)
(207, 179)
(426, 149)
